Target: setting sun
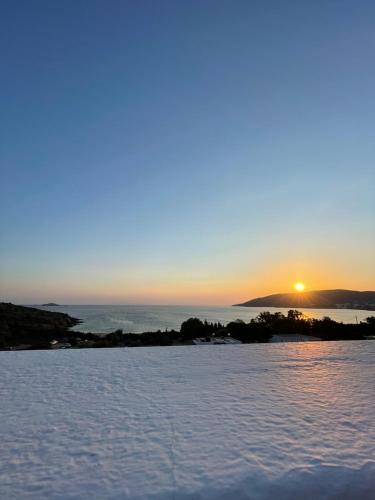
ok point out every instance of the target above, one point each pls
(299, 287)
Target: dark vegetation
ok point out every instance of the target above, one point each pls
(35, 327)
(325, 329)
(30, 328)
(326, 299)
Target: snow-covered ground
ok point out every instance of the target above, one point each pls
(280, 421)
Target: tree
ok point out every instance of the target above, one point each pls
(192, 328)
(295, 315)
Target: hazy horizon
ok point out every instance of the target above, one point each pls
(189, 153)
(162, 304)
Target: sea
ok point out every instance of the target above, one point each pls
(142, 318)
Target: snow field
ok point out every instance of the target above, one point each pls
(195, 422)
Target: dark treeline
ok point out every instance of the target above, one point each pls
(37, 329)
(257, 330)
(267, 324)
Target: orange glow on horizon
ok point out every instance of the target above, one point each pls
(201, 286)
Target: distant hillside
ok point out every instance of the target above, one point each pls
(27, 325)
(318, 299)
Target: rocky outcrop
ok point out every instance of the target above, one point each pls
(28, 325)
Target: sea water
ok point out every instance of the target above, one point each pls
(141, 318)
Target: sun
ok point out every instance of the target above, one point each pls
(299, 286)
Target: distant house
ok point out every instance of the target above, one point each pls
(215, 341)
(60, 345)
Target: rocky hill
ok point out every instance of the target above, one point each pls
(317, 299)
(27, 325)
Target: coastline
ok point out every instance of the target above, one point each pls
(25, 328)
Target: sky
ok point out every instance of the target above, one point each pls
(200, 152)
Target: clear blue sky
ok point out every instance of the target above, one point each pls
(185, 152)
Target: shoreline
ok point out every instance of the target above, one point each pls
(25, 328)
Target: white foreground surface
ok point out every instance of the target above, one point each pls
(217, 422)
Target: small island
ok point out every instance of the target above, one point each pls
(51, 304)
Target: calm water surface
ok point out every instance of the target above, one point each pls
(137, 319)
